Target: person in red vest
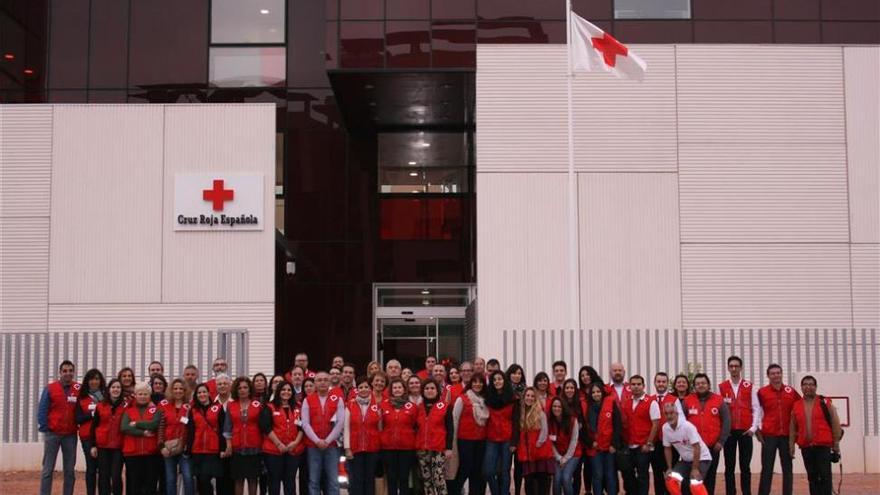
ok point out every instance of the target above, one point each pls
(576, 405)
(560, 373)
(361, 440)
(56, 419)
(434, 439)
(90, 394)
(469, 417)
(425, 373)
(533, 450)
(205, 440)
(563, 430)
(283, 445)
(140, 443)
(618, 386)
(347, 385)
(244, 440)
(642, 416)
(323, 417)
(708, 412)
(456, 386)
(302, 360)
(606, 428)
(658, 459)
(776, 400)
(172, 438)
(741, 396)
(502, 432)
(398, 439)
(815, 427)
(106, 439)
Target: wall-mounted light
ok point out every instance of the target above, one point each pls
(412, 162)
(9, 56)
(264, 11)
(413, 174)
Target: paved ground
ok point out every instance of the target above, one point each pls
(27, 482)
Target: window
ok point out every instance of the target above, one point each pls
(652, 9)
(249, 21)
(246, 66)
(247, 43)
(423, 162)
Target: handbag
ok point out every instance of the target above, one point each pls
(174, 446)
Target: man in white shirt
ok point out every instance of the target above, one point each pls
(694, 456)
(741, 397)
(642, 415)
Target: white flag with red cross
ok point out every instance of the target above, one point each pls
(593, 50)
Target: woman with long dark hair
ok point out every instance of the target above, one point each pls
(434, 439)
(541, 384)
(469, 417)
(261, 387)
(502, 433)
(91, 393)
(575, 405)
(564, 430)
(244, 439)
(172, 439)
(283, 445)
(398, 438)
(604, 422)
(106, 439)
(517, 378)
(159, 386)
(126, 378)
(205, 439)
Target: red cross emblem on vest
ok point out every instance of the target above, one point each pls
(218, 195)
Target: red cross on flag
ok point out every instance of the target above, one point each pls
(593, 50)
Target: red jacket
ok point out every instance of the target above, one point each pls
(821, 431)
(638, 420)
(206, 429)
(740, 404)
(62, 408)
(364, 434)
(399, 426)
(561, 438)
(605, 425)
(321, 418)
(777, 406)
(133, 445)
(499, 427)
(247, 435)
(107, 434)
(176, 419)
(85, 429)
(285, 425)
(432, 427)
(468, 429)
(706, 417)
(528, 450)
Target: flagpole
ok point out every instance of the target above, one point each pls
(573, 234)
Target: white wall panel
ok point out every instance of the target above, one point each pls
(629, 259)
(106, 204)
(24, 273)
(763, 193)
(25, 160)
(215, 266)
(862, 66)
(760, 94)
(522, 254)
(866, 285)
(765, 285)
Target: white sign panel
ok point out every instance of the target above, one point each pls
(221, 201)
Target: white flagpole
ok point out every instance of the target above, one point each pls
(573, 241)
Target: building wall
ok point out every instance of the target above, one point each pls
(92, 269)
(727, 204)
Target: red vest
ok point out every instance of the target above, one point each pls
(133, 445)
(364, 429)
(669, 398)
(455, 391)
(176, 419)
(528, 449)
(777, 406)
(499, 427)
(561, 438)
(626, 394)
(821, 430)
(707, 417)
(321, 418)
(212, 387)
(740, 405)
(62, 408)
(605, 424)
(206, 428)
(107, 434)
(85, 429)
(285, 425)
(432, 427)
(638, 420)
(247, 435)
(399, 426)
(468, 429)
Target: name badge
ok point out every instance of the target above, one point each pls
(92, 406)
(552, 438)
(728, 400)
(184, 419)
(71, 399)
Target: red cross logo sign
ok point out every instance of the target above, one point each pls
(217, 195)
(610, 48)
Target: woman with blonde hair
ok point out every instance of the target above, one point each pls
(534, 452)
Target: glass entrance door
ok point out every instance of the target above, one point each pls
(408, 340)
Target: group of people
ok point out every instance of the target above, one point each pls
(440, 430)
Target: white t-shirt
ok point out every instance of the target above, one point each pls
(683, 439)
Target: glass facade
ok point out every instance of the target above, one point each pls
(347, 231)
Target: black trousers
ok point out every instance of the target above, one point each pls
(738, 440)
(362, 473)
(641, 463)
(537, 484)
(110, 471)
(142, 474)
(281, 469)
(398, 464)
(712, 472)
(817, 462)
(772, 445)
(587, 466)
(658, 466)
(626, 465)
(470, 467)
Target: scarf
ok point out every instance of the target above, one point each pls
(364, 402)
(519, 388)
(480, 411)
(593, 415)
(398, 402)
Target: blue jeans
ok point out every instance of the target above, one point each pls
(324, 462)
(51, 445)
(171, 464)
(496, 467)
(563, 481)
(604, 473)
